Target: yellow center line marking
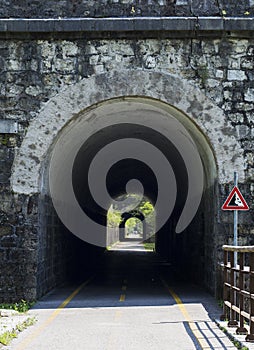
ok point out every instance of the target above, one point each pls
(124, 288)
(28, 340)
(198, 335)
(122, 297)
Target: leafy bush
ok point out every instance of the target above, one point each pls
(20, 306)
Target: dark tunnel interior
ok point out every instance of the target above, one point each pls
(127, 169)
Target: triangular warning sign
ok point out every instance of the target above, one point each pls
(235, 201)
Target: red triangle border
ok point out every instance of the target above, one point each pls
(227, 207)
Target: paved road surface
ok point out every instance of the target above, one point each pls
(127, 305)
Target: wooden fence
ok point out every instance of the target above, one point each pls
(238, 290)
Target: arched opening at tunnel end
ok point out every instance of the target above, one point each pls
(131, 218)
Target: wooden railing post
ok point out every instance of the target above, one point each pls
(250, 337)
(241, 329)
(225, 315)
(232, 315)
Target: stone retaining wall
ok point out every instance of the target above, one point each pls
(33, 71)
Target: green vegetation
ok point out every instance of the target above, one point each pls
(113, 218)
(236, 343)
(7, 336)
(146, 208)
(29, 322)
(149, 246)
(20, 306)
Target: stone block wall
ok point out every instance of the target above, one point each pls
(123, 8)
(34, 70)
(18, 246)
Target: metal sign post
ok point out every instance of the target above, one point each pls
(235, 220)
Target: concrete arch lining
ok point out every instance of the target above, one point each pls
(65, 108)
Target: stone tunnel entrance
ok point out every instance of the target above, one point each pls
(81, 162)
(128, 132)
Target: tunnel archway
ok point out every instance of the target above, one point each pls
(129, 119)
(122, 227)
(83, 124)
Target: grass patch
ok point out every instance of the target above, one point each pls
(29, 322)
(20, 306)
(149, 246)
(7, 336)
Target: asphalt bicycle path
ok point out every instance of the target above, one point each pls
(129, 304)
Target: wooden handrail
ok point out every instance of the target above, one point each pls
(240, 249)
(238, 288)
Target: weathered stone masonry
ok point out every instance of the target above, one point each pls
(122, 8)
(34, 69)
